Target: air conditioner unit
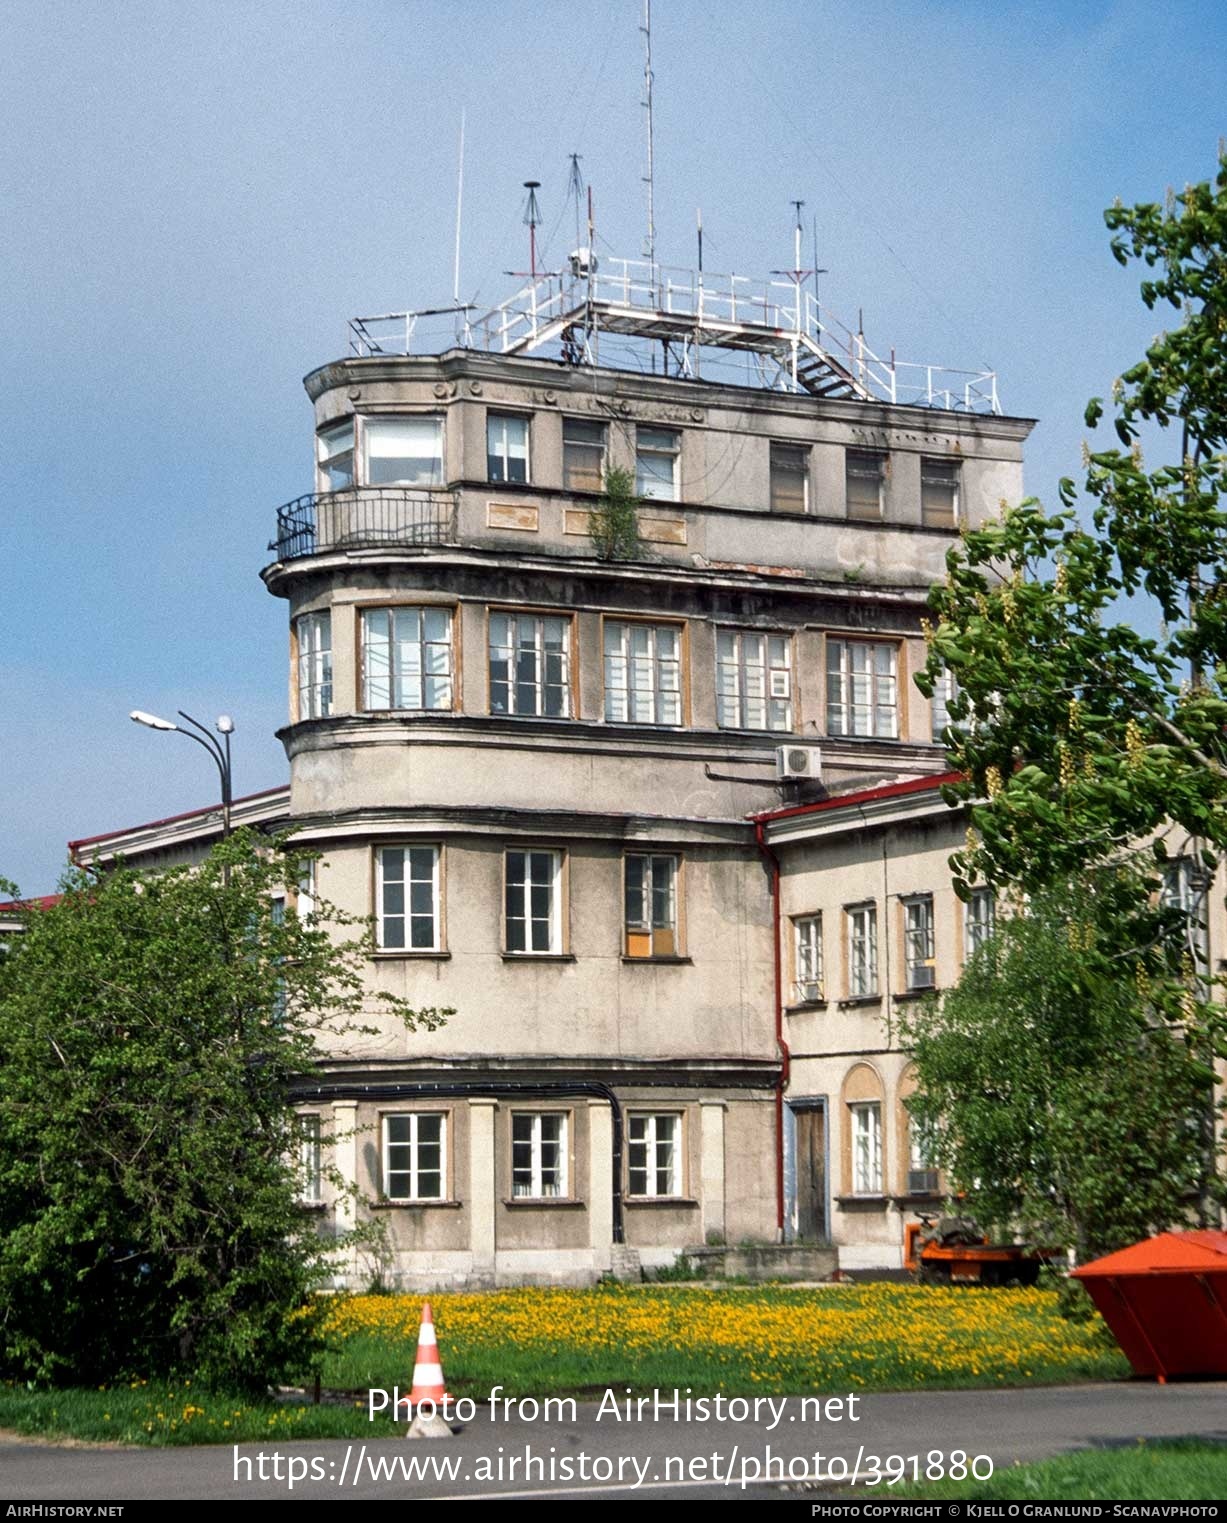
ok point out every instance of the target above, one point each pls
(809, 990)
(798, 764)
(922, 1182)
(922, 975)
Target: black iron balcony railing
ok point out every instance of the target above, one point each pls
(364, 518)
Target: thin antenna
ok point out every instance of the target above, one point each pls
(796, 242)
(646, 29)
(459, 204)
(698, 215)
(532, 216)
(575, 187)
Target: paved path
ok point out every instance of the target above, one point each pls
(597, 1456)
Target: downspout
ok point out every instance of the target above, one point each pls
(773, 868)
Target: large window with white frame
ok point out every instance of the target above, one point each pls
(313, 634)
(407, 658)
(979, 920)
(533, 908)
(406, 451)
(1185, 884)
(862, 924)
(753, 680)
(939, 493)
(945, 689)
(923, 1177)
(408, 911)
(310, 1170)
(654, 1155)
(643, 673)
(506, 447)
(919, 964)
(865, 477)
(583, 455)
(789, 466)
(808, 985)
(656, 458)
(862, 688)
(334, 455)
(415, 1156)
(530, 664)
(538, 1155)
(651, 902)
(866, 1116)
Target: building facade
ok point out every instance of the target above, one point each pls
(592, 799)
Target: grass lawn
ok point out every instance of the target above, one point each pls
(1175, 1470)
(741, 1340)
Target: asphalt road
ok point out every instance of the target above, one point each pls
(599, 1456)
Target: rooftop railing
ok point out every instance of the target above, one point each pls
(364, 518)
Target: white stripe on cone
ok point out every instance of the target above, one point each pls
(427, 1371)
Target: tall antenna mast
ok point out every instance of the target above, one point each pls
(532, 216)
(459, 202)
(575, 187)
(646, 29)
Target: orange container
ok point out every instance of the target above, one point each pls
(1165, 1300)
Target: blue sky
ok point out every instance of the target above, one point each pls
(197, 199)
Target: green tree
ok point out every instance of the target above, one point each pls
(614, 522)
(1082, 737)
(1059, 1102)
(151, 1026)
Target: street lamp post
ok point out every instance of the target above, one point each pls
(220, 755)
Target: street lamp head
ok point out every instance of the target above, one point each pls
(151, 721)
(225, 725)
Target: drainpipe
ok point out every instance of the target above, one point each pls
(773, 867)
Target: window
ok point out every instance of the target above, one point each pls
(939, 493)
(334, 453)
(867, 1148)
(944, 691)
(753, 681)
(583, 455)
(865, 471)
(530, 665)
(643, 673)
(862, 950)
(979, 920)
(407, 658)
(656, 452)
(807, 958)
(1184, 889)
(308, 874)
(407, 896)
(533, 904)
(314, 635)
(789, 478)
(414, 1155)
(538, 1156)
(280, 992)
(403, 451)
(918, 959)
(922, 1175)
(862, 689)
(651, 906)
(506, 448)
(654, 1155)
(309, 1171)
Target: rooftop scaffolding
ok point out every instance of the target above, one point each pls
(779, 325)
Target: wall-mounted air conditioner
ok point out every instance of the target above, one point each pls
(798, 764)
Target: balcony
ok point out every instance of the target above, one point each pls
(364, 518)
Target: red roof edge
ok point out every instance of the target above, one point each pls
(34, 902)
(173, 819)
(864, 796)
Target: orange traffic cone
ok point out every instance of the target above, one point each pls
(428, 1384)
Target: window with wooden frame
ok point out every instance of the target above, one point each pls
(939, 493)
(310, 1171)
(415, 1156)
(753, 680)
(334, 456)
(807, 962)
(656, 457)
(866, 1118)
(864, 481)
(583, 455)
(862, 688)
(533, 887)
(643, 673)
(313, 639)
(530, 664)
(654, 1154)
(919, 962)
(652, 921)
(506, 448)
(862, 927)
(408, 660)
(979, 920)
(945, 690)
(789, 465)
(538, 1155)
(408, 904)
